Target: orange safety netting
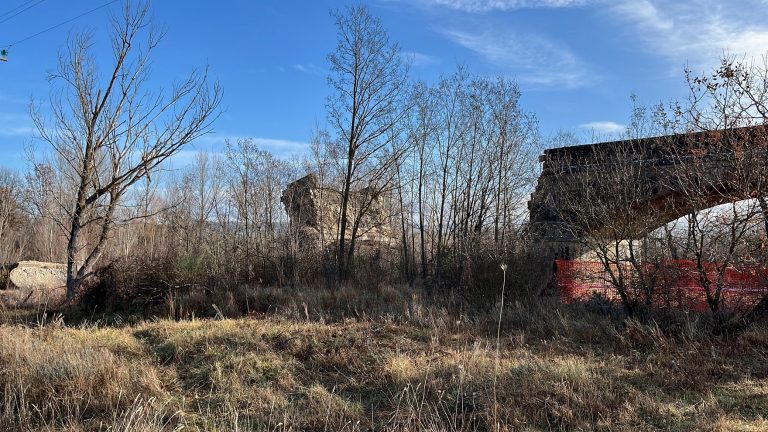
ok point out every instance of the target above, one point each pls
(676, 284)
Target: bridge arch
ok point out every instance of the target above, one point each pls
(633, 187)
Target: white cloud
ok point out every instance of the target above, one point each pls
(418, 59)
(533, 59)
(696, 32)
(478, 6)
(604, 127)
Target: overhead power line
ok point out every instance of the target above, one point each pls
(59, 24)
(16, 8)
(22, 11)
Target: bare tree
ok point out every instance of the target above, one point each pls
(242, 160)
(605, 202)
(421, 129)
(451, 120)
(46, 195)
(10, 214)
(320, 164)
(112, 130)
(368, 79)
(611, 207)
(256, 179)
(725, 163)
(472, 164)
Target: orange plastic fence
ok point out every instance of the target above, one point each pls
(677, 284)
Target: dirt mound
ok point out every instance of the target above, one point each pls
(34, 283)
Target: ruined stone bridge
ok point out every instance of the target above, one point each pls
(646, 180)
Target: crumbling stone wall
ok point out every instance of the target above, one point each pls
(314, 211)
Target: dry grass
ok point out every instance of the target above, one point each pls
(559, 368)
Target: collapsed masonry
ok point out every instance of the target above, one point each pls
(314, 211)
(35, 284)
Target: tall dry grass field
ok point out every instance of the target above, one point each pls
(415, 369)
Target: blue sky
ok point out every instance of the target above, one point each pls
(577, 61)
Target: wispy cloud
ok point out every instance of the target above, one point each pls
(692, 32)
(215, 144)
(278, 147)
(604, 127)
(5, 97)
(309, 68)
(480, 6)
(534, 59)
(696, 32)
(418, 59)
(15, 125)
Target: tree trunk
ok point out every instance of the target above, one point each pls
(406, 264)
(422, 234)
(343, 220)
(72, 282)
